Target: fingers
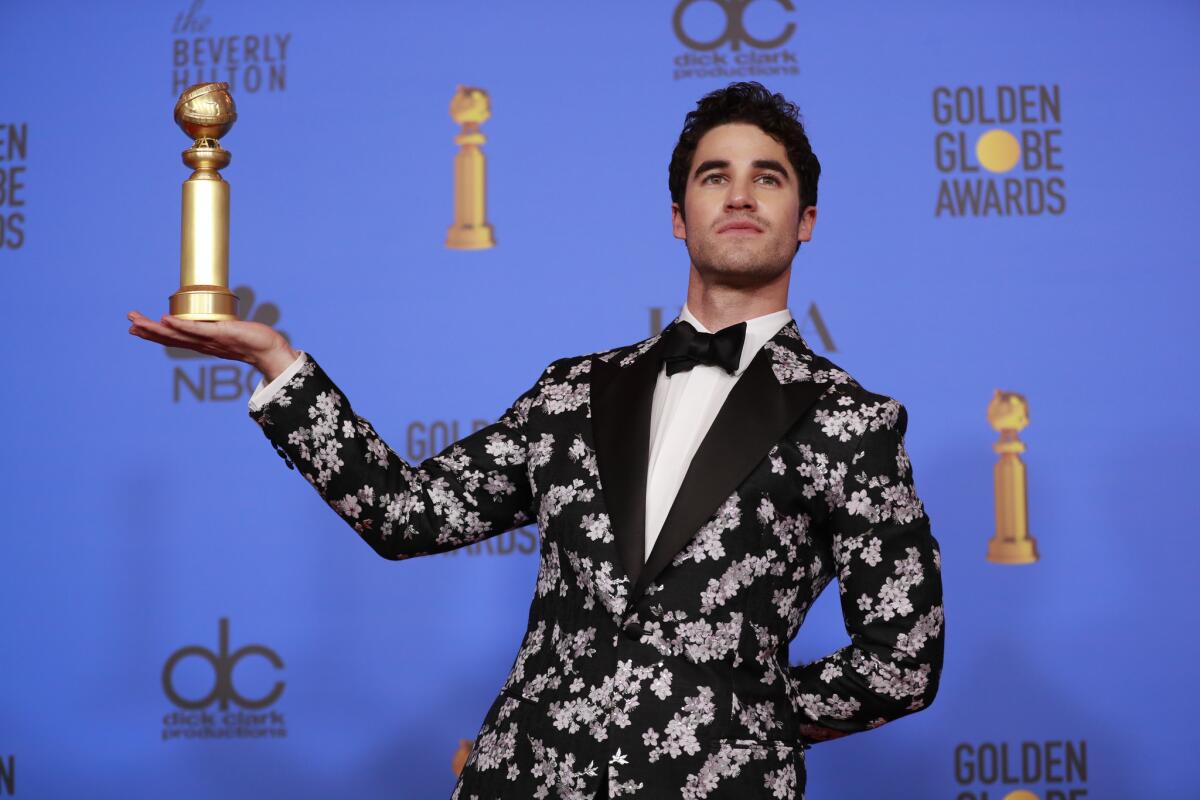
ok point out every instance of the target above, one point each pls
(156, 334)
(193, 327)
(148, 328)
(207, 337)
(207, 348)
(176, 328)
(189, 335)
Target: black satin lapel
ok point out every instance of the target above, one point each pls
(756, 414)
(621, 402)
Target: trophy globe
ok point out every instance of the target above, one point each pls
(206, 111)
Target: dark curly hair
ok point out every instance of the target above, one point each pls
(752, 103)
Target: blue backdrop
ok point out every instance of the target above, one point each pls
(144, 512)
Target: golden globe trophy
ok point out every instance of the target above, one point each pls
(1008, 413)
(470, 108)
(205, 112)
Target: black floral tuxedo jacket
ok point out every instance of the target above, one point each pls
(666, 677)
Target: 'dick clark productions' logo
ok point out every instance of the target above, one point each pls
(248, 62)
(999, 151)
(204, 378)
(734, 38)
(209, 705)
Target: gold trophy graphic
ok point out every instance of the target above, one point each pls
(1008, 413)
(470, 108)
(205, 112)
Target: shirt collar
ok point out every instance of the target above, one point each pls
(759, 331)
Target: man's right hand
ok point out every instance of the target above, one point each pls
(258, 345)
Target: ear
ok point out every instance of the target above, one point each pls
(678, 226)
(808, 220)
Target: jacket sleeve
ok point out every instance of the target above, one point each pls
(475, 488)
(888, 568)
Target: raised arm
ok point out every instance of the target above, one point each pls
(474, 489)
(889, 575)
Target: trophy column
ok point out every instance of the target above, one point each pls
(205, 112)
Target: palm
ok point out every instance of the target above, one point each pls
(239, 340)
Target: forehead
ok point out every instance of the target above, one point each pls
(738, 141)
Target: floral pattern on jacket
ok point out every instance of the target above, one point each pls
(682, 688)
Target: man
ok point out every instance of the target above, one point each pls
(695, 492)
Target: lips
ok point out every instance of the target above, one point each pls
(739, 227)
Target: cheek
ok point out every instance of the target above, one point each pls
(787, 217)
(701, 211)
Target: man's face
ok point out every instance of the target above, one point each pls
(742, 207)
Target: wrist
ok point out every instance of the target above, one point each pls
(276, 361)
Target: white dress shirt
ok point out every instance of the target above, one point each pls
(685, 405)
(265, 391)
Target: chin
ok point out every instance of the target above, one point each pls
(737, 273)
(740, 266)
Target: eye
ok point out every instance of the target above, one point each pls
(710, 177)
(774, 181)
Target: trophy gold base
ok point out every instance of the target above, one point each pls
(470, 237)
(1012, 551)
(207, 303)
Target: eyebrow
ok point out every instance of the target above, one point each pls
(762, 163)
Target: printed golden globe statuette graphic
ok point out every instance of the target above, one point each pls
(1008, 413)
(470, 108)
(205, 112)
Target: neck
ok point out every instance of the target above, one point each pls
(719, 305)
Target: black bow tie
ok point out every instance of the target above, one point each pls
(685, 347)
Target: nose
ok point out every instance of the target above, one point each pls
(741, 196)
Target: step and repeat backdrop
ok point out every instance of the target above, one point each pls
(1005, 243)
